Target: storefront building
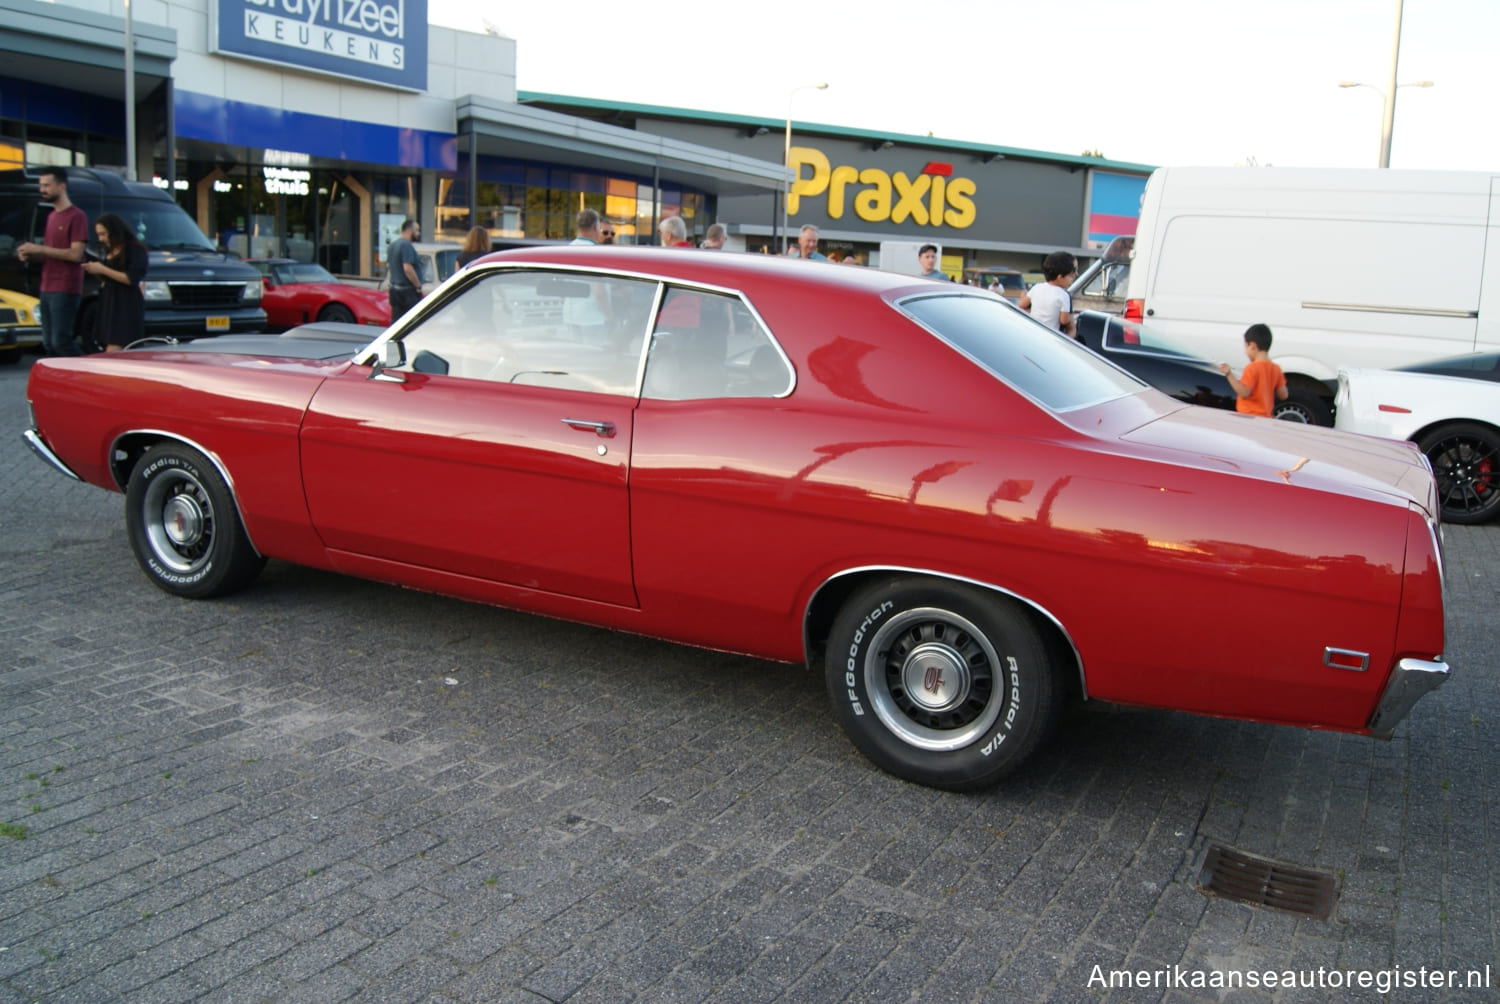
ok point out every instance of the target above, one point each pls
(310, 130)
(983, 205)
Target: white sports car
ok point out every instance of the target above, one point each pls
(1451, 409)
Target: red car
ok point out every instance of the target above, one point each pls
(959, 515)
(300, 292)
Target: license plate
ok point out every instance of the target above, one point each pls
(216, 324)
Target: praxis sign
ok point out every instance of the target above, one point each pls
(379, 41)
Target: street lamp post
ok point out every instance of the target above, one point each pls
(1388, 96)
(1389, 101)
(130, 97)
(786, 161)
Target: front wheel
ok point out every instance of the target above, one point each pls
(183, 526)
(336, 312)
(1465, 459)
(940, 683)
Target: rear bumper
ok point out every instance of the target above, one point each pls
(1410, 680)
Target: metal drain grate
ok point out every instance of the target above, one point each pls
(1246, 879)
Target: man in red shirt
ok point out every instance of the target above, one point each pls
(1262, 383)
(61, 255)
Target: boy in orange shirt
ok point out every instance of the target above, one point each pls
(1262, 384)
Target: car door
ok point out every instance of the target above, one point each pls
(500, 447)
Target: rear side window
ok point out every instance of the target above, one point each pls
(708, 345)
(1048, 367)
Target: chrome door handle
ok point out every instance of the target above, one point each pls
(604, 430)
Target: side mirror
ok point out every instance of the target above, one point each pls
(388, 357)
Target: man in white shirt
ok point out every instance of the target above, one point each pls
(1049, 301)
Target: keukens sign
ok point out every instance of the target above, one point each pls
(929, 197)
(378, 41)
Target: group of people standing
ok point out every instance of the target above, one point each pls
(119, 316)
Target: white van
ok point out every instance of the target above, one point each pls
(1349, 267)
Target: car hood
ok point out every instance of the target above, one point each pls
(1307, 456)
(230, 267)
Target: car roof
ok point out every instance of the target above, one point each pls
(736, 270)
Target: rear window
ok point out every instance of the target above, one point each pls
(1050, 368)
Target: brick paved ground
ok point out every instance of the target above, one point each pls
(324, 789)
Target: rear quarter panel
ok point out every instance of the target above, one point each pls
(244, 412)
(1182, 585)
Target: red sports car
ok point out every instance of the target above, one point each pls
(300, 292)
(961, 516)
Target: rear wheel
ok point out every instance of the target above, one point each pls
(1303, 405)
(941, 683)
(183, 525)
(336, 312)
(1465, 459)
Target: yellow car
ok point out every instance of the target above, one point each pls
(20, 325)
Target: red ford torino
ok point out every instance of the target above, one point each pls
(961, 515)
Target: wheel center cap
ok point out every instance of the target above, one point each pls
(936, 677)
(182, 518)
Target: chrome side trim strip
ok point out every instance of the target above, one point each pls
(1412, 311)
(42, 450)
(807, 641)
(1410, 680)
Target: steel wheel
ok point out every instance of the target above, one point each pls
(941, 683)
(1465, 459)
(931, 679)
(1303, 406)
(183, 525)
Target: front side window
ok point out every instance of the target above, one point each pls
(1050, 368)
(531, 328)
(709, 345)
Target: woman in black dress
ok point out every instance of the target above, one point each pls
(120, 317)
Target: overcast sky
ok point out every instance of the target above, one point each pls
(1159, 82)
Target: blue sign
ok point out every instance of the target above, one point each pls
(378, 41)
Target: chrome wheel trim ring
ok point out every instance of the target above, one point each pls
(934, 679)
(179, 520)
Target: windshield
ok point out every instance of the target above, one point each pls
(1046, 366)
(1485, 366)
(301, 272)
(161, 226)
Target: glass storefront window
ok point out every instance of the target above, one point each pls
(541, 201)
